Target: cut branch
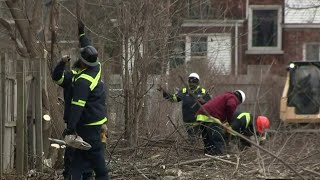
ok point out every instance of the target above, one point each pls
(222, 160)
(193, 161)
(204, 160)
(311, 171)
(141, 173)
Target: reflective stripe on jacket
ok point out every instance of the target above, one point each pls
(88, 102)
(189, 103)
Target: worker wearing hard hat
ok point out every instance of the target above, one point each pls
(215, 112)
(63, 78)
(88, 113)
(242, 122)
(190, 96)
(85, 112)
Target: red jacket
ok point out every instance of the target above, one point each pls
(221, 107)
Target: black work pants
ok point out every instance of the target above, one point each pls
(213, 136)
(92, 158)
(68, 154)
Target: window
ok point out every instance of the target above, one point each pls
(178, 54)
(199, 46)
(264, 28)
(199, 9)
(265, 31)
(312, 52)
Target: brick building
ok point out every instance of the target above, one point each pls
(233, 34)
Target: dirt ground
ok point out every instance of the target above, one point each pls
(174, 159)
(169, 159)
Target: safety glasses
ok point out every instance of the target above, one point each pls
(193, 80)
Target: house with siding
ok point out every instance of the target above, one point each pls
(251, 32)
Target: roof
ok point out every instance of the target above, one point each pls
(302, 11)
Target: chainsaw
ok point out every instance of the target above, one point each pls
(72, 141)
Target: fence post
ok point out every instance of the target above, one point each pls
(20, 134)
(38, 113)
(2, 109)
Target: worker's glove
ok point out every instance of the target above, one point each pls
(201, 100)
(65, 58)
(229, 130)
(68, 132)
(262, 139)
(80, 27)
(104, 133)
(77, 142)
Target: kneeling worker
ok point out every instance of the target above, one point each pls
(242, 122)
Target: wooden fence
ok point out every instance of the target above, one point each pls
(21, 112)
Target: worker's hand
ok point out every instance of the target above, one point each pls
(65, 58)
(104, 128)
(68, 132)
(104, 133)
(201, 100)
(229, 130)
(262, 140)
(80, 27)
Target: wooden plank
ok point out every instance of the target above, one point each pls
(32, 129)
(10, 124)
(2, 109)
(10, 105)
(38, 113)
(20, 117)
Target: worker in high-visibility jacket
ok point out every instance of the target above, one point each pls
(63, 78)
(212, 114)
(242, 122)
(189, 97)
(88, 113)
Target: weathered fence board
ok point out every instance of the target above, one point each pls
(20, 142)
(2, 109)
(9, 92)
(38, 113)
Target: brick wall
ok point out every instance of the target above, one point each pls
(294, 39)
